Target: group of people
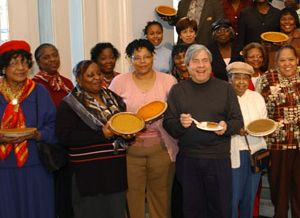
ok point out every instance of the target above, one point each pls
(171, 163)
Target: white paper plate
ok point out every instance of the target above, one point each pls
(203, 126)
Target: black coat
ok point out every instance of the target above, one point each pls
(218, 64)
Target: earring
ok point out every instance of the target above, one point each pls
(3, 72)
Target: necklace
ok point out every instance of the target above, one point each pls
(11, 96)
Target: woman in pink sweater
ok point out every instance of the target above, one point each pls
(149, 162)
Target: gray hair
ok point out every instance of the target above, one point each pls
(193, 50)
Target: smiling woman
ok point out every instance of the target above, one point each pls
(280, 89)
(289, 24)
(106, 56)
(48, 60)
(153, 151)
(253, 107)
(162, 55)
(97, 161)
(20, 166)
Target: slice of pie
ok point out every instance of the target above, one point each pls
(212, 125)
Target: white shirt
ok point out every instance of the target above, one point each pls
(253, 107)
(162, 59)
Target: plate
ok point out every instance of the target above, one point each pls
(261, 127)
(165, 11)
(126, 123)
(274, 37)
(152, 110)
(17, 132)
(209, 126)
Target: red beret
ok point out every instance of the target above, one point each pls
(14, 45)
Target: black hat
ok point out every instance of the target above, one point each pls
(220, 23)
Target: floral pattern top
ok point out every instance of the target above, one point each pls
(282, 97)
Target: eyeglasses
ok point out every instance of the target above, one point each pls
(140, 59)
(222, 30)
(255, 56)
(15, 62)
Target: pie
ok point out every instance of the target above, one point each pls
(212, 125)
(261, 126)
(165, 10)
(152, 110)
(126, 123)
(17, 132)
(274, 37)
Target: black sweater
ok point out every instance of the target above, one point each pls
(106, 172)
(214, 101)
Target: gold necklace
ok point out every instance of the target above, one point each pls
(10, 95)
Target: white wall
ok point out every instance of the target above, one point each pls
(115, 21)
(144, 11)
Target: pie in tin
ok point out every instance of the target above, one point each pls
(274, 37)
(152, 110)
(126, 123)
(261, 127)
(165, 11)
(17, 132)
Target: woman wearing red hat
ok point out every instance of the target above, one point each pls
(26, 188)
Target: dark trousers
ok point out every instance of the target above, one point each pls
(206, 186)
(176, 199)
(284, 178)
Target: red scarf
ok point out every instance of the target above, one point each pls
(13, 117)
(55, 82)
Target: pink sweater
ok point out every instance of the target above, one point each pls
(134, 98)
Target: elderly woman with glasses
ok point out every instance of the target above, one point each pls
(244, 181)
(255, 55)
(26, 187)
(150, 159)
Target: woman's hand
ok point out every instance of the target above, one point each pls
(107, 131)
(128, 136)
(186, 120)
(36, 136)
(11, 140)
(243, 132)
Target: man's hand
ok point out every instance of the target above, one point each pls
(186, 120)
(222, 131)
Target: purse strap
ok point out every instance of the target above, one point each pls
(247, 142)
